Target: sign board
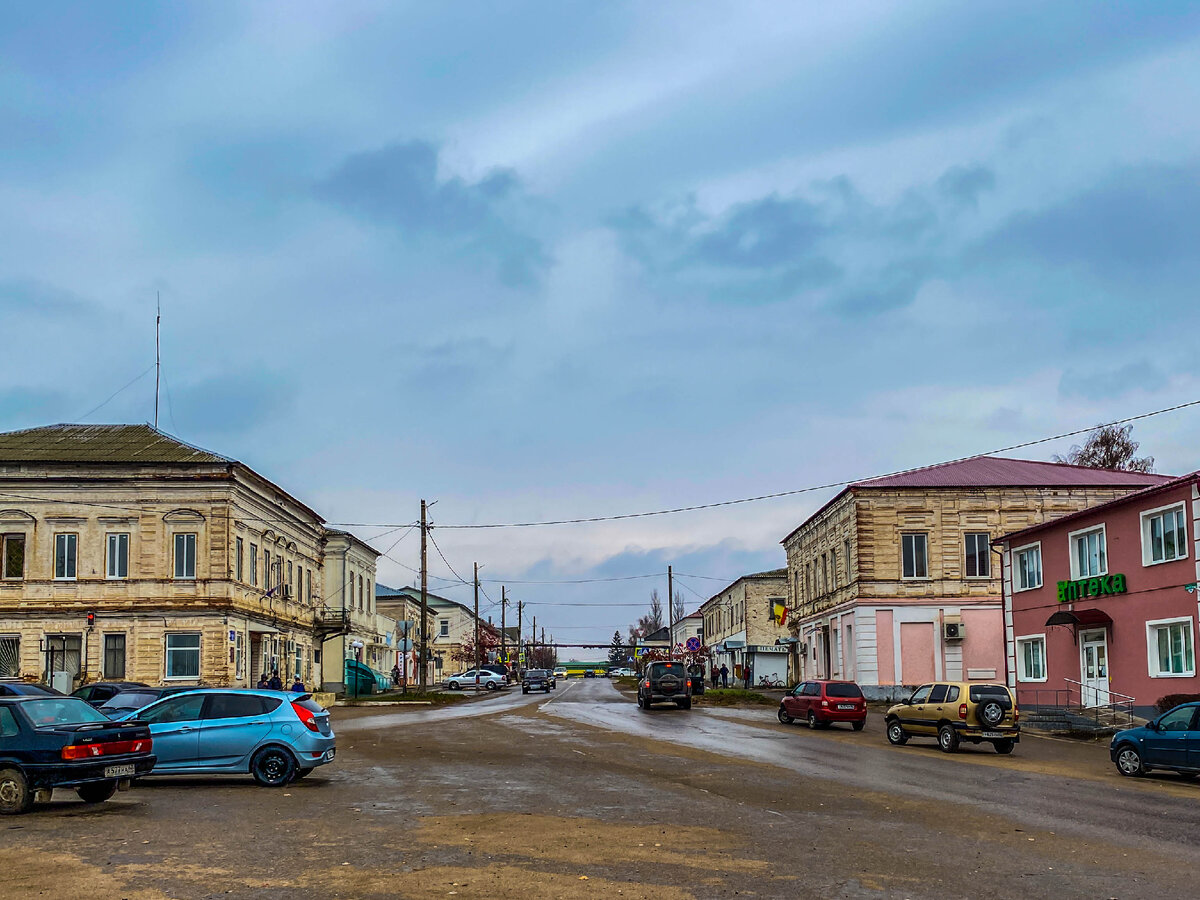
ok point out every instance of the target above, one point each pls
(693, 644)
(404, 645)
(404, 626)
(637, 652)
(1100, 586)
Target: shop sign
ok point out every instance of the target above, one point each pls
(1101, 586)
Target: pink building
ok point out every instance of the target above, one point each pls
(1100, 605)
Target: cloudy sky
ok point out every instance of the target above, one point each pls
(554, 259)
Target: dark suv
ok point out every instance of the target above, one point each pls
(665, 681)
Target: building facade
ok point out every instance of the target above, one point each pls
(893, 583)
(128, 554)
(451, 628)
(1101, 605)
(352, 630)
(742, 629)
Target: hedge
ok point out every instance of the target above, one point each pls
(1173, 700)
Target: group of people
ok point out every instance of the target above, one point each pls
(720, 677)
(274, 683)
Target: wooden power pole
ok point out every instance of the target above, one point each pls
(423, 643)
(520, 634)
(670, 614)
(503, 636)
(477, 662)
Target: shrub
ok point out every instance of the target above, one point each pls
(1173, 700)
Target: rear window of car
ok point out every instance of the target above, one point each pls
(62, 711)
(130, 700)
(979, 691)
(675, 668)
(536, 673)
(842, 690)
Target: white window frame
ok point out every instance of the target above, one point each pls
(239, 549)
(1022, 675)
(987, 555)
(167, 652)
(1152, 628)
(109, 574)
(1147, 549)
(74, 556)
(1017, 551)
(175, 555)
(1100, 529)
(908, 534)
(443, 628)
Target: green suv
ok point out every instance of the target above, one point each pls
(957, 711)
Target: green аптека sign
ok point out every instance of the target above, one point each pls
(1100, 586)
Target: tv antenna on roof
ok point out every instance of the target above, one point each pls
(157, 355)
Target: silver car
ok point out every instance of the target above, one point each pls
(477, 678)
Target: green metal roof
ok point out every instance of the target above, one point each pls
(100, 444)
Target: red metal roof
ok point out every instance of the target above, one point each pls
(996, 471)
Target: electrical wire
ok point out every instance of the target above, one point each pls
(119, 390)
(446, 561)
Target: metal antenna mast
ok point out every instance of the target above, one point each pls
(157, 354)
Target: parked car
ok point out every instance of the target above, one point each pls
(696, 673)
(27, 689)
(957, 711)
(49, 741)
(125, 702)
(99, 692)
(536, 680)
(624, 673)
(665, 681)
(501, 670)
(822, 702)
(589, 673)
(560, 672)
(276, 736)
(1170, 741)
(483, 678)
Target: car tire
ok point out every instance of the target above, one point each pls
(273, 767)
(97, 791)
(860, 725)
(784, 718)
(1004, 746)
(812, 720)
(947, 739)
(896, 734)
(492, 686)
(990, 713)
(453, 685)
(685, 704)
(524, 690)
(302, 773)
(15, 795)
(1129, 761)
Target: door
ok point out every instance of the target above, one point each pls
(936, 706)
(1093, 650)
(1168, 745)
(175, 727)
(232, 727)
(794, 702)
(913, 716)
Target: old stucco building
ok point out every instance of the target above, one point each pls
(129, 554)
(742, 631)
(348, 579)
(893, 583)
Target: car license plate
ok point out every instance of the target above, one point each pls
(118, 771)
(329, 755)
(845, 706)
(992, 734)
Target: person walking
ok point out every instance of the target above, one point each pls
(263, 684)
(275, 684)
(714, 673)
(724, 675)
(396, 674)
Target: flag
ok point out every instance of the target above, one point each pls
(779, 612)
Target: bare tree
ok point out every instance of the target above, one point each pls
(655, 616)
(678, 607)
(1109, 447)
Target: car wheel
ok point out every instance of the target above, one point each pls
(784, 718)
(524, 690)
(948, 738)
(860, 725)
(1004, 745)
(15, 795)
(812, 720)
(640, 700)
(302, 773)
(991, 713)
(96, 792)
(492, 686)
(896, 734)
(1129, 762)
(684, 704)
(453, 685)
(273, 767)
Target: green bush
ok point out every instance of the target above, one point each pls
(1173, 700)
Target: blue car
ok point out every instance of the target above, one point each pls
(276, 736)
(1172, 741)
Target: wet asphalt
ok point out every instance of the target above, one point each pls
(580, 794)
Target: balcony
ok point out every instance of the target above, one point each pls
(329, 621)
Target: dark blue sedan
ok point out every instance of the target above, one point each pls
(1171, 741)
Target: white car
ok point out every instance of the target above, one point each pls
(481, 678)
(560, 672)
(623, 673)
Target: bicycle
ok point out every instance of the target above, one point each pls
(770, 681)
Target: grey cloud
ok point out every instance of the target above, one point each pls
(228, 403)
(398, 187)
(1106, 384)
(23, 406)
(31, 295)
(767, 232)
(964, 184)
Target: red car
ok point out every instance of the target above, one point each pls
(821, 703)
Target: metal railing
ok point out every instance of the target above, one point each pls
(1102, 707)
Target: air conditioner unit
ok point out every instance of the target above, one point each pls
(954, 631)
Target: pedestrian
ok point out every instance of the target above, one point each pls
(275, 684)
(748, 670)
(714, 674)
(297, 686)
(724, 675)
(262, 682)
(396, 674)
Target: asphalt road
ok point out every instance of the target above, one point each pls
(580, 794)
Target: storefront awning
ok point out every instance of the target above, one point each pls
(259, 628)
(1085, 618)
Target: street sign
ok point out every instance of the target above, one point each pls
(404, 645)
(637, 652)
(693, 644)
(404, 626)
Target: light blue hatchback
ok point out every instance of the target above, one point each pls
(276, 736)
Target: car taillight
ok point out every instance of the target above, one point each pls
(307, 716)
(1016, 714)
(106, 748)
(647, 684)
(962, 710)
(689, 682)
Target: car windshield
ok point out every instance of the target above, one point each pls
(673, 668)
(130, 700)
(979, 691)
(537, 673)
(62, 711)
(842, 690)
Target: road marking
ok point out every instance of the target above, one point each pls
(552, 699)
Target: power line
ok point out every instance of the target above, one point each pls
(119, 390)
(446, 561)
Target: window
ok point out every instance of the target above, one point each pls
(237, 560)
(114, 656)
(915, 552)
(10, 656)
(65, 547)
(833, 570)
(824, 574)
(185, 556)
(1027, 567)
(239, 655)
(183, 655)
(360, 592)
(14, 556)
(266, 567)
(1031, 658)
(444, 627)
(254, 564)
(237, 706)
(1089, 554)
(952, 694)
(117, 564)
(177, 709)
(8, 723)
(1164, 535)
(299, 660)
(979, 563)
(921, 695)
(846, 550)
(1170, 645)
(1177, 719)
(308, 585)
(938, 694)
(289, 576)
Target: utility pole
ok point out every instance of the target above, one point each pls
(544, 642)
(503, 636)
(520, 635)
(533, 645)
(422, 649)
(477, 662)
(670, 614)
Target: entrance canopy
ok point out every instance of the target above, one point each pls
(1085, 618)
